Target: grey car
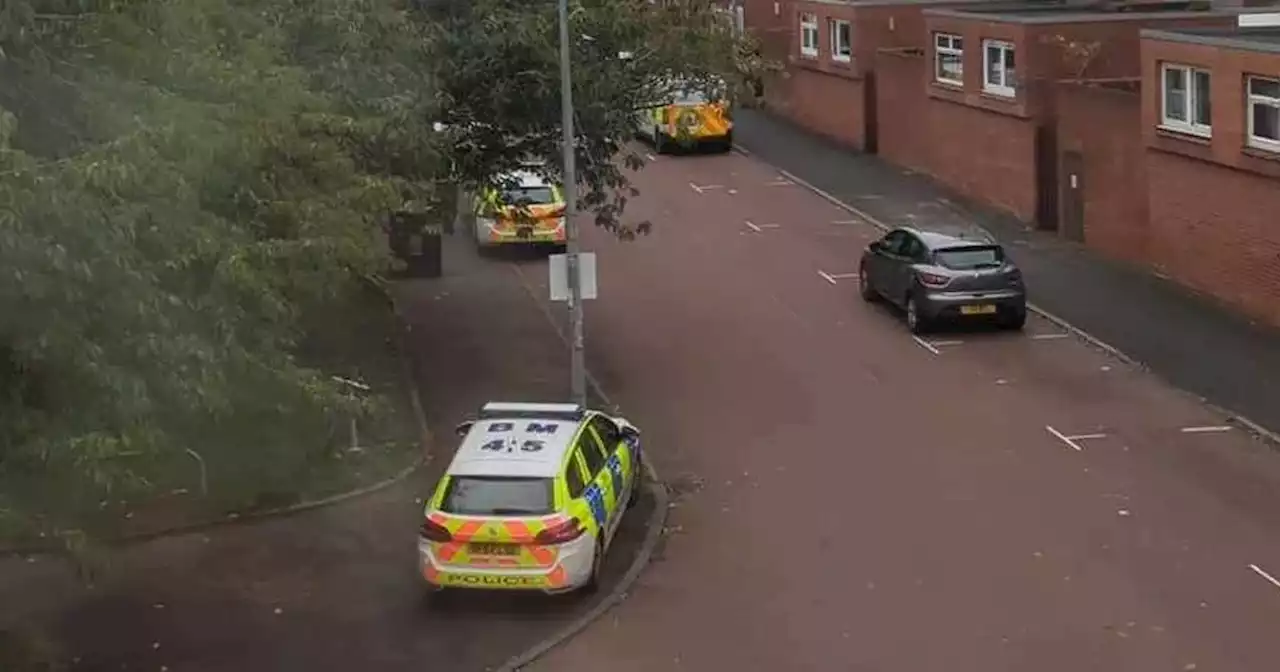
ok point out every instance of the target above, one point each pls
(943, 276)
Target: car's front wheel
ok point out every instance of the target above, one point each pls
(865, 288)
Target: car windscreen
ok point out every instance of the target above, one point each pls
(498, 496)
(528, 196)
(969, 258)
(690, 98)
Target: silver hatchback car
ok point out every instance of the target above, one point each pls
(938, 276)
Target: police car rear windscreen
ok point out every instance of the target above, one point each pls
(498, 496)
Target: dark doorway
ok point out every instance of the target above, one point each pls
(1046, 178)
(1073, 196)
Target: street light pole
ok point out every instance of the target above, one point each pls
(577, 356)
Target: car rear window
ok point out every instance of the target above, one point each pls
(964, 258)
(498, 496)
(528, 196)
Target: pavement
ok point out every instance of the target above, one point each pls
(1187, 339)
(848, 497)
(336, 588)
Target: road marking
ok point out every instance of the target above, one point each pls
(1252, 426)
(1065, 439)
(1081, 437)
(926, 345)
(1205, 429)
(651, 157)
(759, 228)
(702, 188)
(1260, 572)
(826, 276)
(1049, 337)
(779, 183)
(944, 343)
(848, 221)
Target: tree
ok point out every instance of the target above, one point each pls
(498, 83)
(185, 183)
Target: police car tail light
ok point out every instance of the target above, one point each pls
(562, 533)
(432, 531)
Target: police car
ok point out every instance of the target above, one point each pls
(531, 500)
(525, 208)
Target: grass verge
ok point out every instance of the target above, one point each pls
(259, 465)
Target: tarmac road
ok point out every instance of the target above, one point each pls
(334, 589)
(851, 498)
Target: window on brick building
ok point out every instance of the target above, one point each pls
(808, 34)
(948, 59)
(841, 40)
(1186, 100)
(999, 74)
(1263, 112)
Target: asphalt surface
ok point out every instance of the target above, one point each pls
(852, 499)
(338, 588)
(1189, 340)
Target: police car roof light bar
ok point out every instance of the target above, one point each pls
(536, 411)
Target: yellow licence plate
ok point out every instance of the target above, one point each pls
(978, 310)
(494, 549)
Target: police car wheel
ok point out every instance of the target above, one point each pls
(597, 561)
(636, 484)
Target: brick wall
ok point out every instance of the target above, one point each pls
(826, 104)
(1104, 125)
(1216, 230)
(900, 108)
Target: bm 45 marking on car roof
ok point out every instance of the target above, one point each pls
(531, 428)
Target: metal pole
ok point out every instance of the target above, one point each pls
(577, 358)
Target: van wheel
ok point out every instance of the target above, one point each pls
(593, 582)
(659, 146)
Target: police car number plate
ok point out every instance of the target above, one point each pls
(494, 549)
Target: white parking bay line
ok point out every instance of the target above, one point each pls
(1205, 429)
(700, 188)
(751, 225)
(1063, 438)
(827, 276)
(945, 343)
(926, 345)
(1049, 337)
(1260, 572)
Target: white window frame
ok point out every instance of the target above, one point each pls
(1188, 124)
(938, 50)
(809, 35)
(1252, 99)
(1002, 88)
(840, 53)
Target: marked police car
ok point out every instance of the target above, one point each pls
(531, 500)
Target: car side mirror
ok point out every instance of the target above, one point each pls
(874, 246)
(628, 431)
(464, 427)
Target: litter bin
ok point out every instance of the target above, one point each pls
(418, 243)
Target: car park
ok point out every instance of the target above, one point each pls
(532, 500)
(937, 276)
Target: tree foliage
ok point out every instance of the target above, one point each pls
(183, 183)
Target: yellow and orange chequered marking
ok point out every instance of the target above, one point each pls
(523, 533)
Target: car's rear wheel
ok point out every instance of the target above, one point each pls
(865, 288)
(597, 562)
(1014, 320)
(917, 323)
(658, 145)
(637, 482)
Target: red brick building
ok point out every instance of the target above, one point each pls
(1184, 176)
(829, 82)
(976, 108)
